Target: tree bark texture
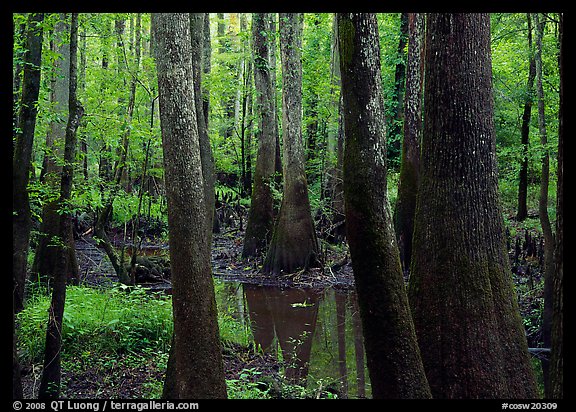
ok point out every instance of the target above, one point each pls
(261, 214)
(392, 354)
(467, 320)
(198, 354)
(51, 374)
(557, 353)
(22, 155)
(410, 163)
(543, 202)
(294, 244)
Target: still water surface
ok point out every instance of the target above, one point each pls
(317, 333)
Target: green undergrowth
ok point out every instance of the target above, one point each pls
(108, 330)
(117, 321)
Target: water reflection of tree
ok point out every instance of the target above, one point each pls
(289, 318)
(290, 315)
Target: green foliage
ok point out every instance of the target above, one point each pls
(510, 63)
(117, 321)
(247, 386)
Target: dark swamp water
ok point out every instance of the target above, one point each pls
(314, 333)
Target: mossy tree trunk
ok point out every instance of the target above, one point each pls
(464, 306)
(410, 163)
(392, 354)
(294, 245)
(199, 370)
(543, 201)
(557, 355)
(261, 214)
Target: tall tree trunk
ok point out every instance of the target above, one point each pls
(197, 33)
(392, 355)
(206, 65)
(557, 341)
(467, 320)
(522, 213)
(410, 164)
(197, 356)
(261, 214)
(334, 181)
(51, 374)
(272, 42)
(22, 156)
(293, 245)
(543, 204)
(46, 257)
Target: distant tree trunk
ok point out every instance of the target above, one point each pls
(543, 205)
(410, 164)
(336, 148)
(82, 87)
(206, 65)
(46, 256)
(197, 349)
(197, 32)
(120, 165)
(22, 156)
(272, 36)
(261, 214)
(525, 138)
(467, 320)
(557, 341)
(293, 245)
(51, 374)
(395, 122)
(392, 355)
(18, 58)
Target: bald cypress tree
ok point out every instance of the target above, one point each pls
(261, 214)
(392, 354)
(293, 245)
(467, 320)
